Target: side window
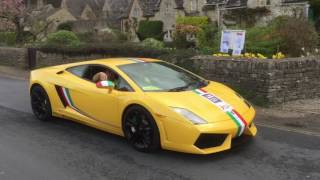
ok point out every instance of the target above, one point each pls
(122, 85)
(87, 72)
(78, 70)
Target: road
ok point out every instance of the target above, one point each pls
(33, 150)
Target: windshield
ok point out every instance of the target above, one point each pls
(161, 76)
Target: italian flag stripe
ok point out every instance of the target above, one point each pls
(242, 125)
(69, 97)
(241, 118)
(196, 91)
(232, 113)
(204, 91)
(104, 84)
(66, 96)
(237, 123)
(63, 96)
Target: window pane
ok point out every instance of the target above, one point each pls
(78, 71)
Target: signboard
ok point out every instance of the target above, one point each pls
(232, 40)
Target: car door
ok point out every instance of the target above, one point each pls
(101, 105)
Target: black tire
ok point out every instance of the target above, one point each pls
(140, 129)
(40, 103)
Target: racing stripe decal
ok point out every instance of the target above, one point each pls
(136, 60)
(66, 99)
(228, 109)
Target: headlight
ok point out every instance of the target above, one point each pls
(190, 116)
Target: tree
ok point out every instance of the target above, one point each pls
(14, 11)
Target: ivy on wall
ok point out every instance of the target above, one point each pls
(150, 29)
(197, 21)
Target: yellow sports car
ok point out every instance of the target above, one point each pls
(152, 103)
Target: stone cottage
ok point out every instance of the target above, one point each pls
(223, 12)
(86, 15)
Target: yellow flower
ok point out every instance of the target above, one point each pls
(260, 56)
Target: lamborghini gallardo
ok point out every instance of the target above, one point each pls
(152, 103)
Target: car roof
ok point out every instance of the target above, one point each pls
(122, 61)
(110, 62)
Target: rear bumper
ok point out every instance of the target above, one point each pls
(205, 139)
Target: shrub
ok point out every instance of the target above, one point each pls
(150, 29)
(295, 34)
(112, 49)
(8, 38)
(180, 41)
(186, 26)
(207, 36)
(262, 40)
(62, 38)
(86, 37)
(120, 35)
(65, 26)
(198, 21)
(153, 43)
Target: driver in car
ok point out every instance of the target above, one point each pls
(101, 76)
(105, 76)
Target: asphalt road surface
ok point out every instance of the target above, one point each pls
(58, 150)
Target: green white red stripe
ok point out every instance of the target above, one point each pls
(136, 60)
(228, 109)
(102, 84)
(68, 99)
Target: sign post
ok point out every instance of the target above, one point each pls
(232, 40)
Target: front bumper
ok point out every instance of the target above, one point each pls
(204, 139)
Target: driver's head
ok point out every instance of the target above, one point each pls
(101, 76)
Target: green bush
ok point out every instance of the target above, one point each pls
(120, 35)
(8, 38)
(262, 40)
(208, 39)
(206, 35)
(112, 49)
(63, 38)
(153, 43)
(295, 34)
(180, 41)
(65, 26)
(198, 21)
(150, 29)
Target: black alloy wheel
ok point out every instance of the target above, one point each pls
(40, 103)
(140, 129)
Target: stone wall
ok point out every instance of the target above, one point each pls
(14, 57)
(274, 81)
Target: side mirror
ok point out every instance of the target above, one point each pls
(105, 84)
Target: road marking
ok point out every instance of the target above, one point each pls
(309, 133)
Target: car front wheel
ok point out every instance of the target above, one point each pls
(140, 129)
(40, 103)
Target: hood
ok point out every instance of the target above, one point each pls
(201, 106)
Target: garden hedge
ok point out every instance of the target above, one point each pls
(150, 29)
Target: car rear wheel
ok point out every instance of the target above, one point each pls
(40, 103)
(141, 130)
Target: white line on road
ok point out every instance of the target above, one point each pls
(309, 133)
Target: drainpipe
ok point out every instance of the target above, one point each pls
(307, 10)
(218, 15)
